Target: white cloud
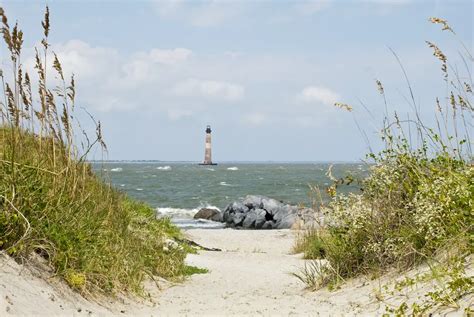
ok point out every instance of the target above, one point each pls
(176, 114)
(200, 13)
(319, 94)
(256, 118)
(208, 13)
(311, 6)
(209, 88)
(140, 66)
(85, 60)
(169, 57)
(390, 2)
(167, 7)
(384, 7)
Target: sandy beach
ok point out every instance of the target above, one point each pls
(250, 276)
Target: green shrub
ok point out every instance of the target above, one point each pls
(417, 202)
(410, 208)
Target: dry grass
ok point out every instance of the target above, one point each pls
(51, 203)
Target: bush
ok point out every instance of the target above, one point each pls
(410, 208)
(416, 202)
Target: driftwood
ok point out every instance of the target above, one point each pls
(197, 245)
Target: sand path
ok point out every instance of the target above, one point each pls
(250, 276)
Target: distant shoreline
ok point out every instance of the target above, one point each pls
(228, 162)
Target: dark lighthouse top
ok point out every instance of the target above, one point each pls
(208, 129)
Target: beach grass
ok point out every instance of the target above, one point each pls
(417, 204)
(52, 204)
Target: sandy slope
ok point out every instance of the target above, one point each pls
(250, 276)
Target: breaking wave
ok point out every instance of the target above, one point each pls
(117, 169)
(180, 212)
(198, 224)
(164, 168)
(234, 168)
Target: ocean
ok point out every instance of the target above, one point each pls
(179, 189)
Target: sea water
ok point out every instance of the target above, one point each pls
(179, 189)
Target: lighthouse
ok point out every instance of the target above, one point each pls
(207, 153)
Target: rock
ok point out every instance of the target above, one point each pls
(206, 213)
(286, 222)
(260, 218)
(282, 211)
(238, 207)
(218, 217)
(231, 210)
(254, 219)
(271, 205)
(237, 219)
(260, 212)
(309, 218)
(252, 201)
(249, 221)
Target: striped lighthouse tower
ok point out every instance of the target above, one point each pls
(208, 153)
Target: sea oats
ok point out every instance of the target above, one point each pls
(440, 55)
(379, 86)
(444, 23)
(343, 106)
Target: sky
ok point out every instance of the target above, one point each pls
(264, 74)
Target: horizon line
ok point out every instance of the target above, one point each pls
(230, 161)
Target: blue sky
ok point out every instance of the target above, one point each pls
(264, 74)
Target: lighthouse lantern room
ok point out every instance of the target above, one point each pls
(208, 151)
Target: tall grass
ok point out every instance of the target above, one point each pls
(418, 200)
(51, 203)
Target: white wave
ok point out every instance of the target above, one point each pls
(176, 212)
(139, 189)
(164, 168)
(198, 224)
(117, 169)
(210, 169)
(225, 184)
(122, 185)
(180, 213)
(234, 168)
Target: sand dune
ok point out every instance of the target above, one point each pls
(250, 276)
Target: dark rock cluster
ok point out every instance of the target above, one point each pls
(260, 212)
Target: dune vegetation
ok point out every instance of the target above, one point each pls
(51, 203)
(417, 203)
